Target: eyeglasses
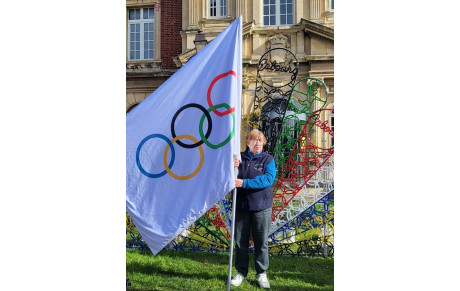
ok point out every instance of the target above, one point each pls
(256, 140)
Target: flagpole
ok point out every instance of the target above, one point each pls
(232, 234)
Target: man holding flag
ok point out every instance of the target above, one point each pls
(182, 136)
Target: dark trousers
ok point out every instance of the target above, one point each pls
(257, 222)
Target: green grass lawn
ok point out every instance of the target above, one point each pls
(176, 270)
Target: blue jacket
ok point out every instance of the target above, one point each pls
(258, 173)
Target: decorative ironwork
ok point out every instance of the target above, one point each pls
(308, 95)
(314, 189)
(133, 238)
(305, 159)
(310, 232)
(277, 71)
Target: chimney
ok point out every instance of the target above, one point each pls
(200, 41)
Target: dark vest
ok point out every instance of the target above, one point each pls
(253, 199)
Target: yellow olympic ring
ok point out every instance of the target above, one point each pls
(165, 157)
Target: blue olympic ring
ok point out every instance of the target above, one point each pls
(173, 154)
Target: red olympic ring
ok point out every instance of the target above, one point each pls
(231, 110)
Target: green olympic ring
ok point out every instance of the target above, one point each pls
(203, 138)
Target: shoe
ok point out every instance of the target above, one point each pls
(263, 281)
(237, 280)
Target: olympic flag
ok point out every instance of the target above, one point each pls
(181, 139)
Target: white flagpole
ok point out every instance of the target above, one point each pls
(233, 232)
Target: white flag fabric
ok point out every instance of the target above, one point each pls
(181, 139)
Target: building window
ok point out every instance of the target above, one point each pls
(330, 4)
(278, 12)
(217, 8)
(140, 30)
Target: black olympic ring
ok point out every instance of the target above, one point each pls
(208, 133)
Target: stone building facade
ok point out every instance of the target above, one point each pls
(163, 34)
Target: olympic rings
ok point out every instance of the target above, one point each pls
(165, 155)
(173, 153)
(190, 146)
(230, 110)
(204, 138)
